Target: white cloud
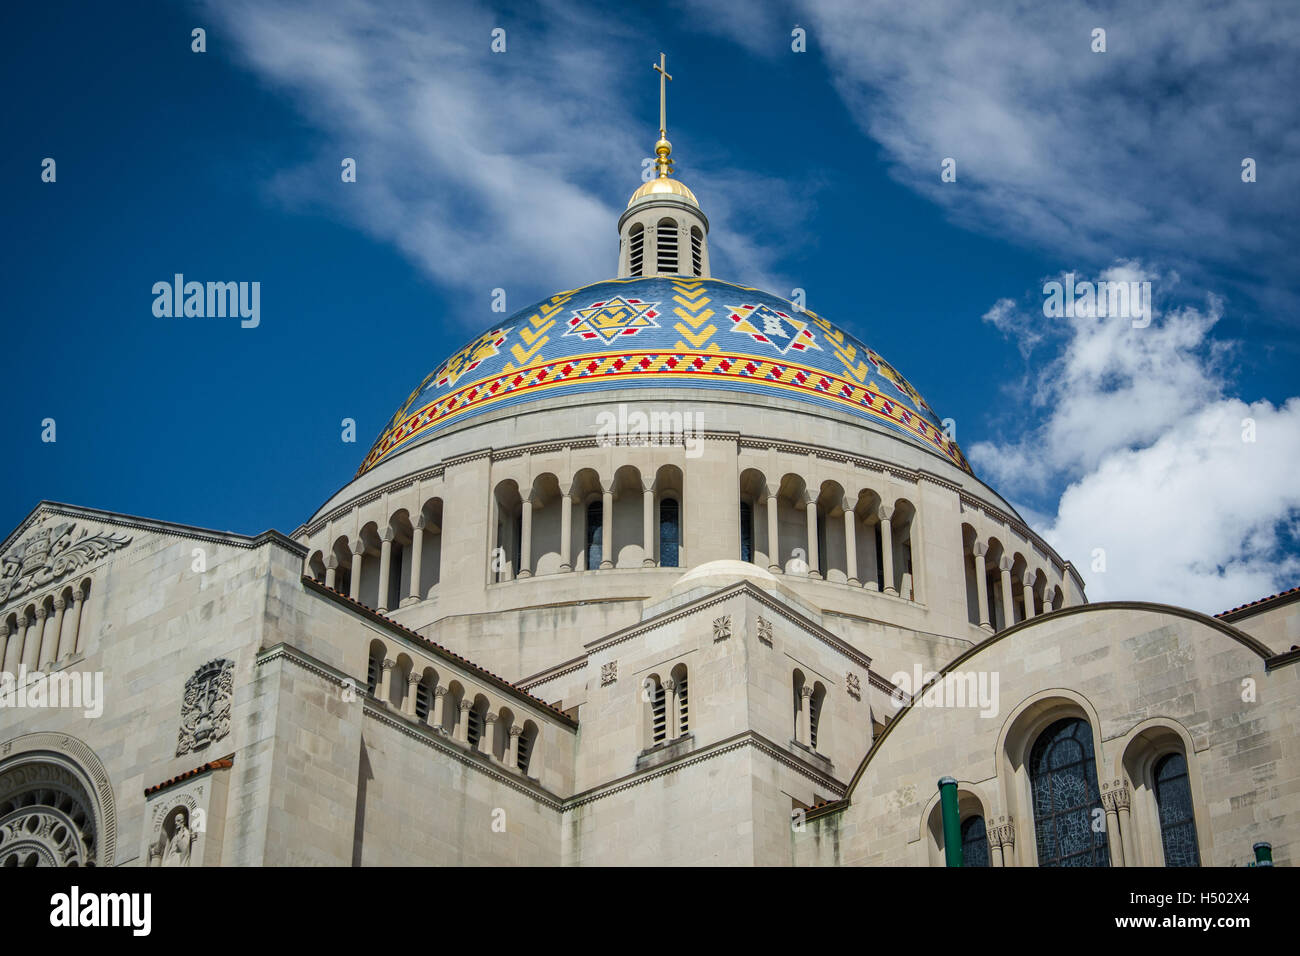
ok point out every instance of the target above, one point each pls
(1193, 518)
(1094, 155)
(1137, 426)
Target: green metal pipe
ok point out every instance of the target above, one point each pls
(951, 821)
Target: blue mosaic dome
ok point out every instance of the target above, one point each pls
(656, 333)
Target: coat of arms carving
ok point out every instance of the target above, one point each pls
(205, 709)
(49, 553)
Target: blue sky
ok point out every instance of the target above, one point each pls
(818, 170)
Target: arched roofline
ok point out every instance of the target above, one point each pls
(1265, 654)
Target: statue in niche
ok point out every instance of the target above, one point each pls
(176, 840)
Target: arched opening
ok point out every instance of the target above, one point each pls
(993, 584)
(636, 249)
(974, 841)
(47, 816)
(1165, 783)
(527, 747)
(815, 712)
(426, 572)
(375, 666)
(697, 251)
(316, 566)
(505, 554)
(669, 532)
(666, 246)
(901, 536)
(547, 527)
(754, 545)
(970, 560)
(655, 710)
(1063, 783)
(594, 528)
(680, 722)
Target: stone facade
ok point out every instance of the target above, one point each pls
(520, 640)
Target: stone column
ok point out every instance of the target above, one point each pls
(14, 652)
(773, 535)
(412, 686)
(78, 608)
(358, 554)
(1028, 593)
(648, 526)
(995, 852)
(526, 539)
(439, 693)
(488, 736)
(1008, 602)
(50, 638)
(513, 760)
(851, 544)
(810, 524)
(4, 645)
(1122, 800)
(887, 548)
(607, 552)
(566, 531)
(386, 681)
(331, 571)
(1004, 835)
(672, 720)
(35, 638)
(980, 549)
(61, 647)
(1113, 836)
(462, 725)
(385, 566)
(417, 555)
(805, 715)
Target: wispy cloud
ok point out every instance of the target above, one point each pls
(487, 169)
(1097, 156)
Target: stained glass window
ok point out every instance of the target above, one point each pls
(1177, 822)
(1068, 819)
(974, 842)
(595, 518)
(669, 533)
(746, 531)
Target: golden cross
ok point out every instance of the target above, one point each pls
(663, 95)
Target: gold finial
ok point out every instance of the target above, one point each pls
(663, 148)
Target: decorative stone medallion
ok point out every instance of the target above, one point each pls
(765, 630)
(608, 673)
(854, 685)
(722, 627)
(205, 708)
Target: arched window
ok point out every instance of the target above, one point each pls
(669, 532)
(595, 519)
(373, 666)
(1177, 822)
(474, 725)
(1063, 778)
(974, 842)
(657, 701)
(666, 243)
(697, 246)
(680, 722)
(527, 738)
(636, 249)
(746, 531)
(815, 712)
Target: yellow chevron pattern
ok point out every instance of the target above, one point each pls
(693, 313)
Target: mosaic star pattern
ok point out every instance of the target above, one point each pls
(628, 333)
